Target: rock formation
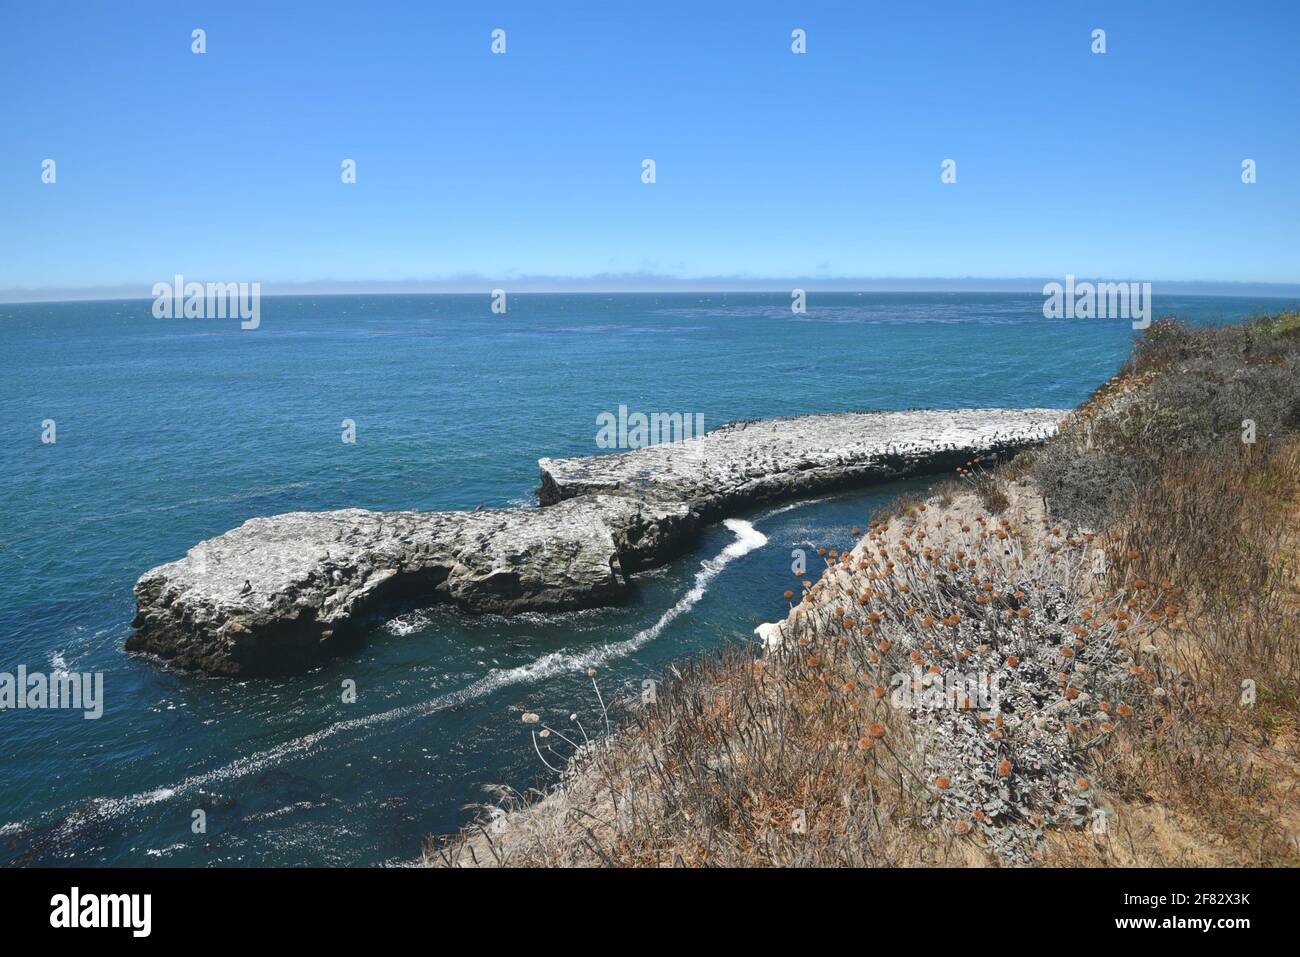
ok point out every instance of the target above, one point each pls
(280, 593)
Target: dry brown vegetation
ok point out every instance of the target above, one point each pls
(1210, 778)
(1130, 591)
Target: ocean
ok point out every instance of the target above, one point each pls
(170, 431)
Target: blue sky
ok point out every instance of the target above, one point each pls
(225, 166)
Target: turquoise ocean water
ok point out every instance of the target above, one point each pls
(172, 431)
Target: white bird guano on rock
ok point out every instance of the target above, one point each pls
(280, 593)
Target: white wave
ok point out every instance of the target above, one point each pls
(747, 539)
(408, 624)
(165, 851)
(791, 506)
(771, 634)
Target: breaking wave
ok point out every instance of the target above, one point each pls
(100, 810)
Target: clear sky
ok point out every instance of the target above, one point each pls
(226, 166)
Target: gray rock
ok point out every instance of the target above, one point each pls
(748, 462)
(317, 576)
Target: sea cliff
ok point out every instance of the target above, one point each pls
(1084, 656)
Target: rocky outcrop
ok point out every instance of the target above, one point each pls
(748, 462)
(280, 593)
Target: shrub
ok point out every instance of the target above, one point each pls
(988, 488)
(1082, 486)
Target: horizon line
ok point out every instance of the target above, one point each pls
(650, 284)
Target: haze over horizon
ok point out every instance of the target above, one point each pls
(598, 285)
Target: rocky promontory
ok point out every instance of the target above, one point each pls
(279, 593)
(747, 462)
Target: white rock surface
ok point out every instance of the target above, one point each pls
(281, 592)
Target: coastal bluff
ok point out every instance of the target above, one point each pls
(280, 593)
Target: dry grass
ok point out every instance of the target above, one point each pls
(1148, 674)
(1211, 776)
(1220, 761)
(939, 697)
